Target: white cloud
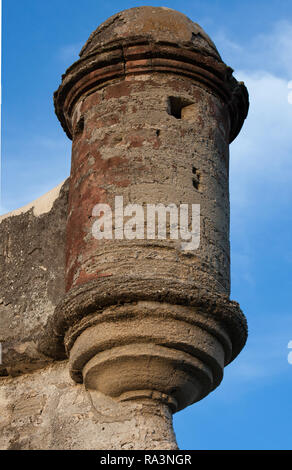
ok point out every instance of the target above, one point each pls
(276, 48)
(260, 168)
(261, 156)
(269, 52)
(261, 163)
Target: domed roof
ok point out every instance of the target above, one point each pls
(157, 24)
(150, 40)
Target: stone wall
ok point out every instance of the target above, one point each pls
(40, 405)
(32, 277)
(45, 409)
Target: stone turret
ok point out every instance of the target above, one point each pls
(151, 109)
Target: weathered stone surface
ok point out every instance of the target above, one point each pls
(159, 25)
(46, 410)
(147, 326)
(32, 263)
(151, 109)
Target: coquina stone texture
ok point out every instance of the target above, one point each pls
(104, 339)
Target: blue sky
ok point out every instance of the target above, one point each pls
(252, 408)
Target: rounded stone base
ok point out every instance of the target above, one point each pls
(148, 350)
